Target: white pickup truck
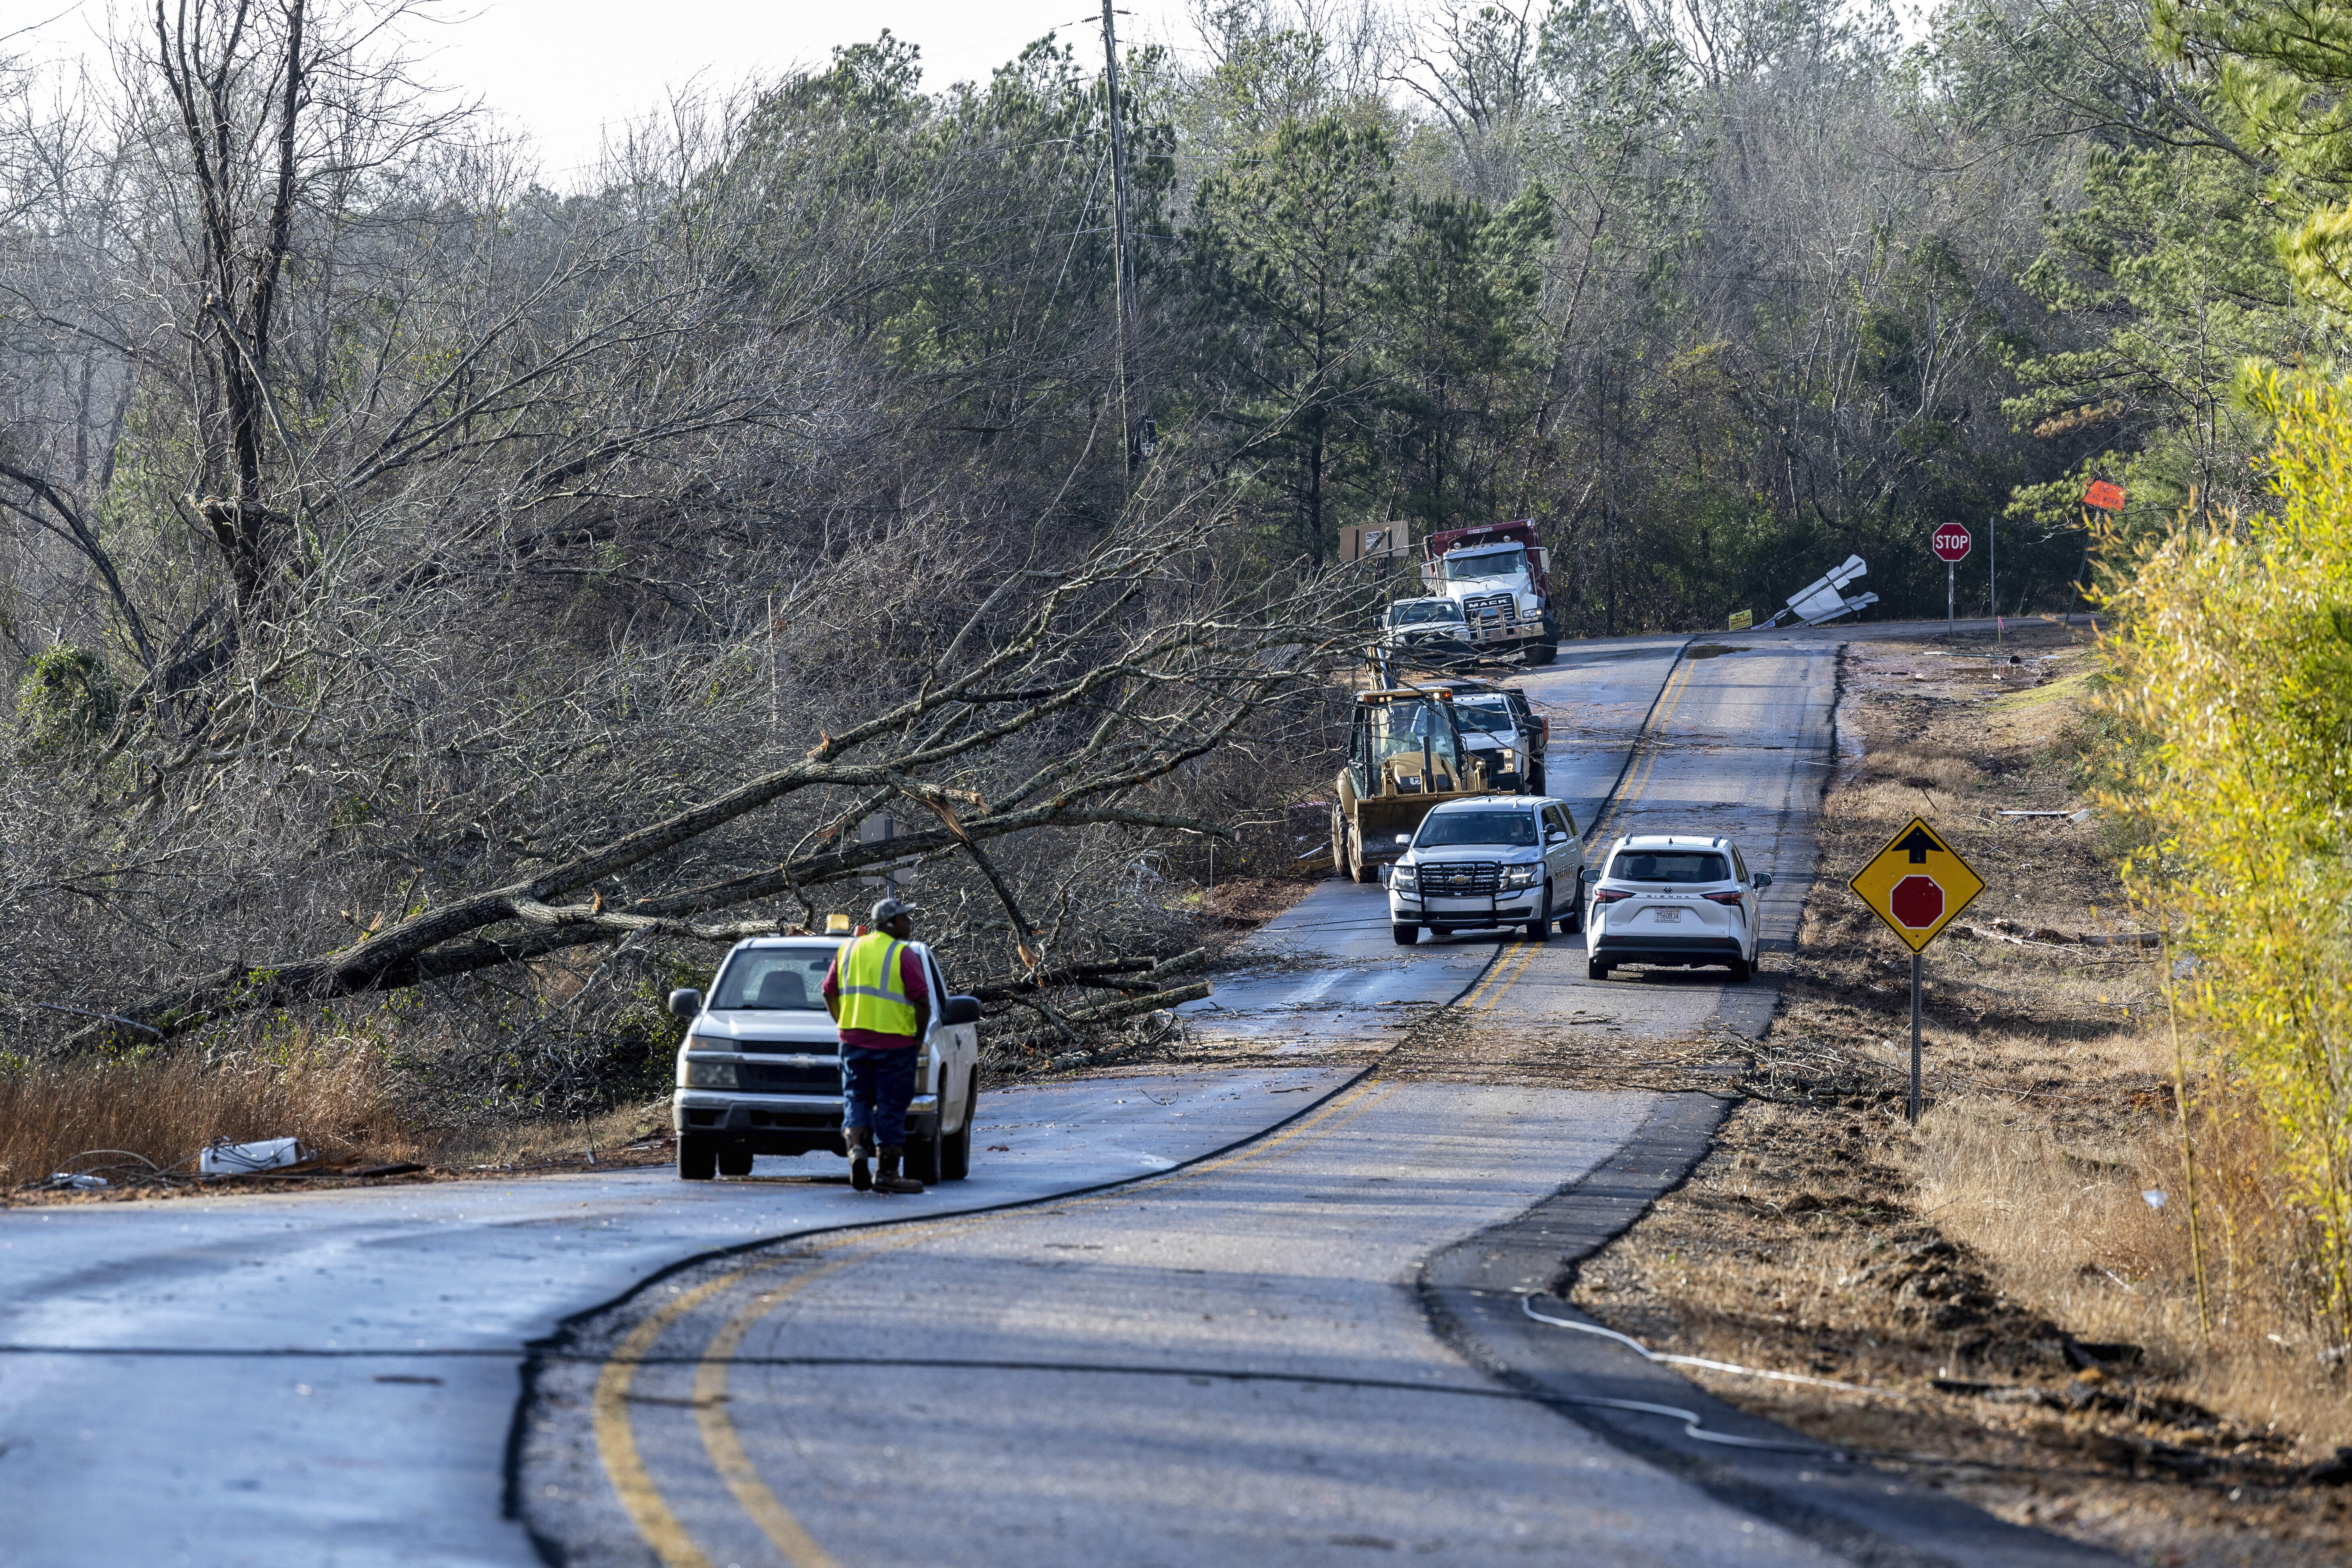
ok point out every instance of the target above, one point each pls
(761, 1069)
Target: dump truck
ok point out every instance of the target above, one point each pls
(1405, 756)
(1500, 577)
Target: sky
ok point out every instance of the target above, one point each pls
(560, 70)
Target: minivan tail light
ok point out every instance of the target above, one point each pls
(1722, 898)
(1610, 896)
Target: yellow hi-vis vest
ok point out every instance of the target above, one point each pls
(873, 994)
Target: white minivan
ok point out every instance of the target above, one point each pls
(1674, 899)
(761, 1069)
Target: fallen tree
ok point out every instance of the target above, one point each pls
(1137, 649)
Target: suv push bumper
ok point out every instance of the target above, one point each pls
(1462, 912)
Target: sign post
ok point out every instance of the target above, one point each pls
(1951, 546)
(1917, 885)
(2104, 495)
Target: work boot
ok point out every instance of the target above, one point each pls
(890, 1181)
(861, 1175)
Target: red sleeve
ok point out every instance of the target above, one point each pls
(910, 975)
(832, 987)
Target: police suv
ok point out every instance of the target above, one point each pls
(761, 1069)
(1486, 861)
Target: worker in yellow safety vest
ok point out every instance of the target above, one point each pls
(877, 994)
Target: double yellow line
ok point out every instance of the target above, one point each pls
(616, 1439)
(1638, 779)
(1487, 994)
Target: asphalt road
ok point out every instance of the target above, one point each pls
(1332, 976)
(1733, 735)
(331, 1379)
(1221, 1366)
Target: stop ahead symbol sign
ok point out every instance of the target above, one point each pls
(1951, 543)
(1916, 901)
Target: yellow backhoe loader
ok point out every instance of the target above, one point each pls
(1405, 756)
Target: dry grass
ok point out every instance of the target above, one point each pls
(1986, 1246)
(162, 1112)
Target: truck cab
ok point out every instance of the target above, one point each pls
(760, 1072)
(1429, 632)
(1500, 577)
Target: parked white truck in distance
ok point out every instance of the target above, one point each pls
(1500, 577)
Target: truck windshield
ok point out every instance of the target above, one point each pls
(1475, 563)
(1401, 727)
(1514, 829)
(1487, 715)
(1415, 612)
(774, 979)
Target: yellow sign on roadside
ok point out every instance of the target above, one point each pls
(1743, 620)
(1917, 884)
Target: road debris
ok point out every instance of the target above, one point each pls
(222, 1158)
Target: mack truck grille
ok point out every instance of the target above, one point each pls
(1460, 880)
(1491, 613)
(796, 1078)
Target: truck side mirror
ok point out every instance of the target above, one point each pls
(685, 1003)
(961, 1010)
(1555, 836)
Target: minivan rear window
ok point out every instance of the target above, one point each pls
(1668, 866)
(775, 980)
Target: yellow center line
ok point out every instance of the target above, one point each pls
(1509, 974)
(725, 1445)
(1471, 1003)
(616, 1439)
(1677, 684)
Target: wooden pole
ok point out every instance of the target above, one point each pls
(1123, 263)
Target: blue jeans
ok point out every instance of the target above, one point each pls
(875, 1089)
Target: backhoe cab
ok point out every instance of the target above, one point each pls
(1405, 756)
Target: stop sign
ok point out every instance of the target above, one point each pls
(1952, 543)
(1916, 901)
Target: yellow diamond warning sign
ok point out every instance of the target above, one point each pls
(1917, 884)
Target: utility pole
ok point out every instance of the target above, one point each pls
(1124, 261)
(1993, 575)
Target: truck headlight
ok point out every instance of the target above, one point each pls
(1520, 876)
(706, 1075)
(1405, 880)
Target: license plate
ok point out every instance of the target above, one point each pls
(1666, 917)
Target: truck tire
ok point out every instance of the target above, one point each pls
(1543, 653)
(1339, 843)
(1573, 921)
(923, 1157)
(1539, 928)
(1404, 933)
(1356, 867)
(955, 1156)
(1740, 971)
(1596, 968)
(698, 1157)
(734, 1160)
